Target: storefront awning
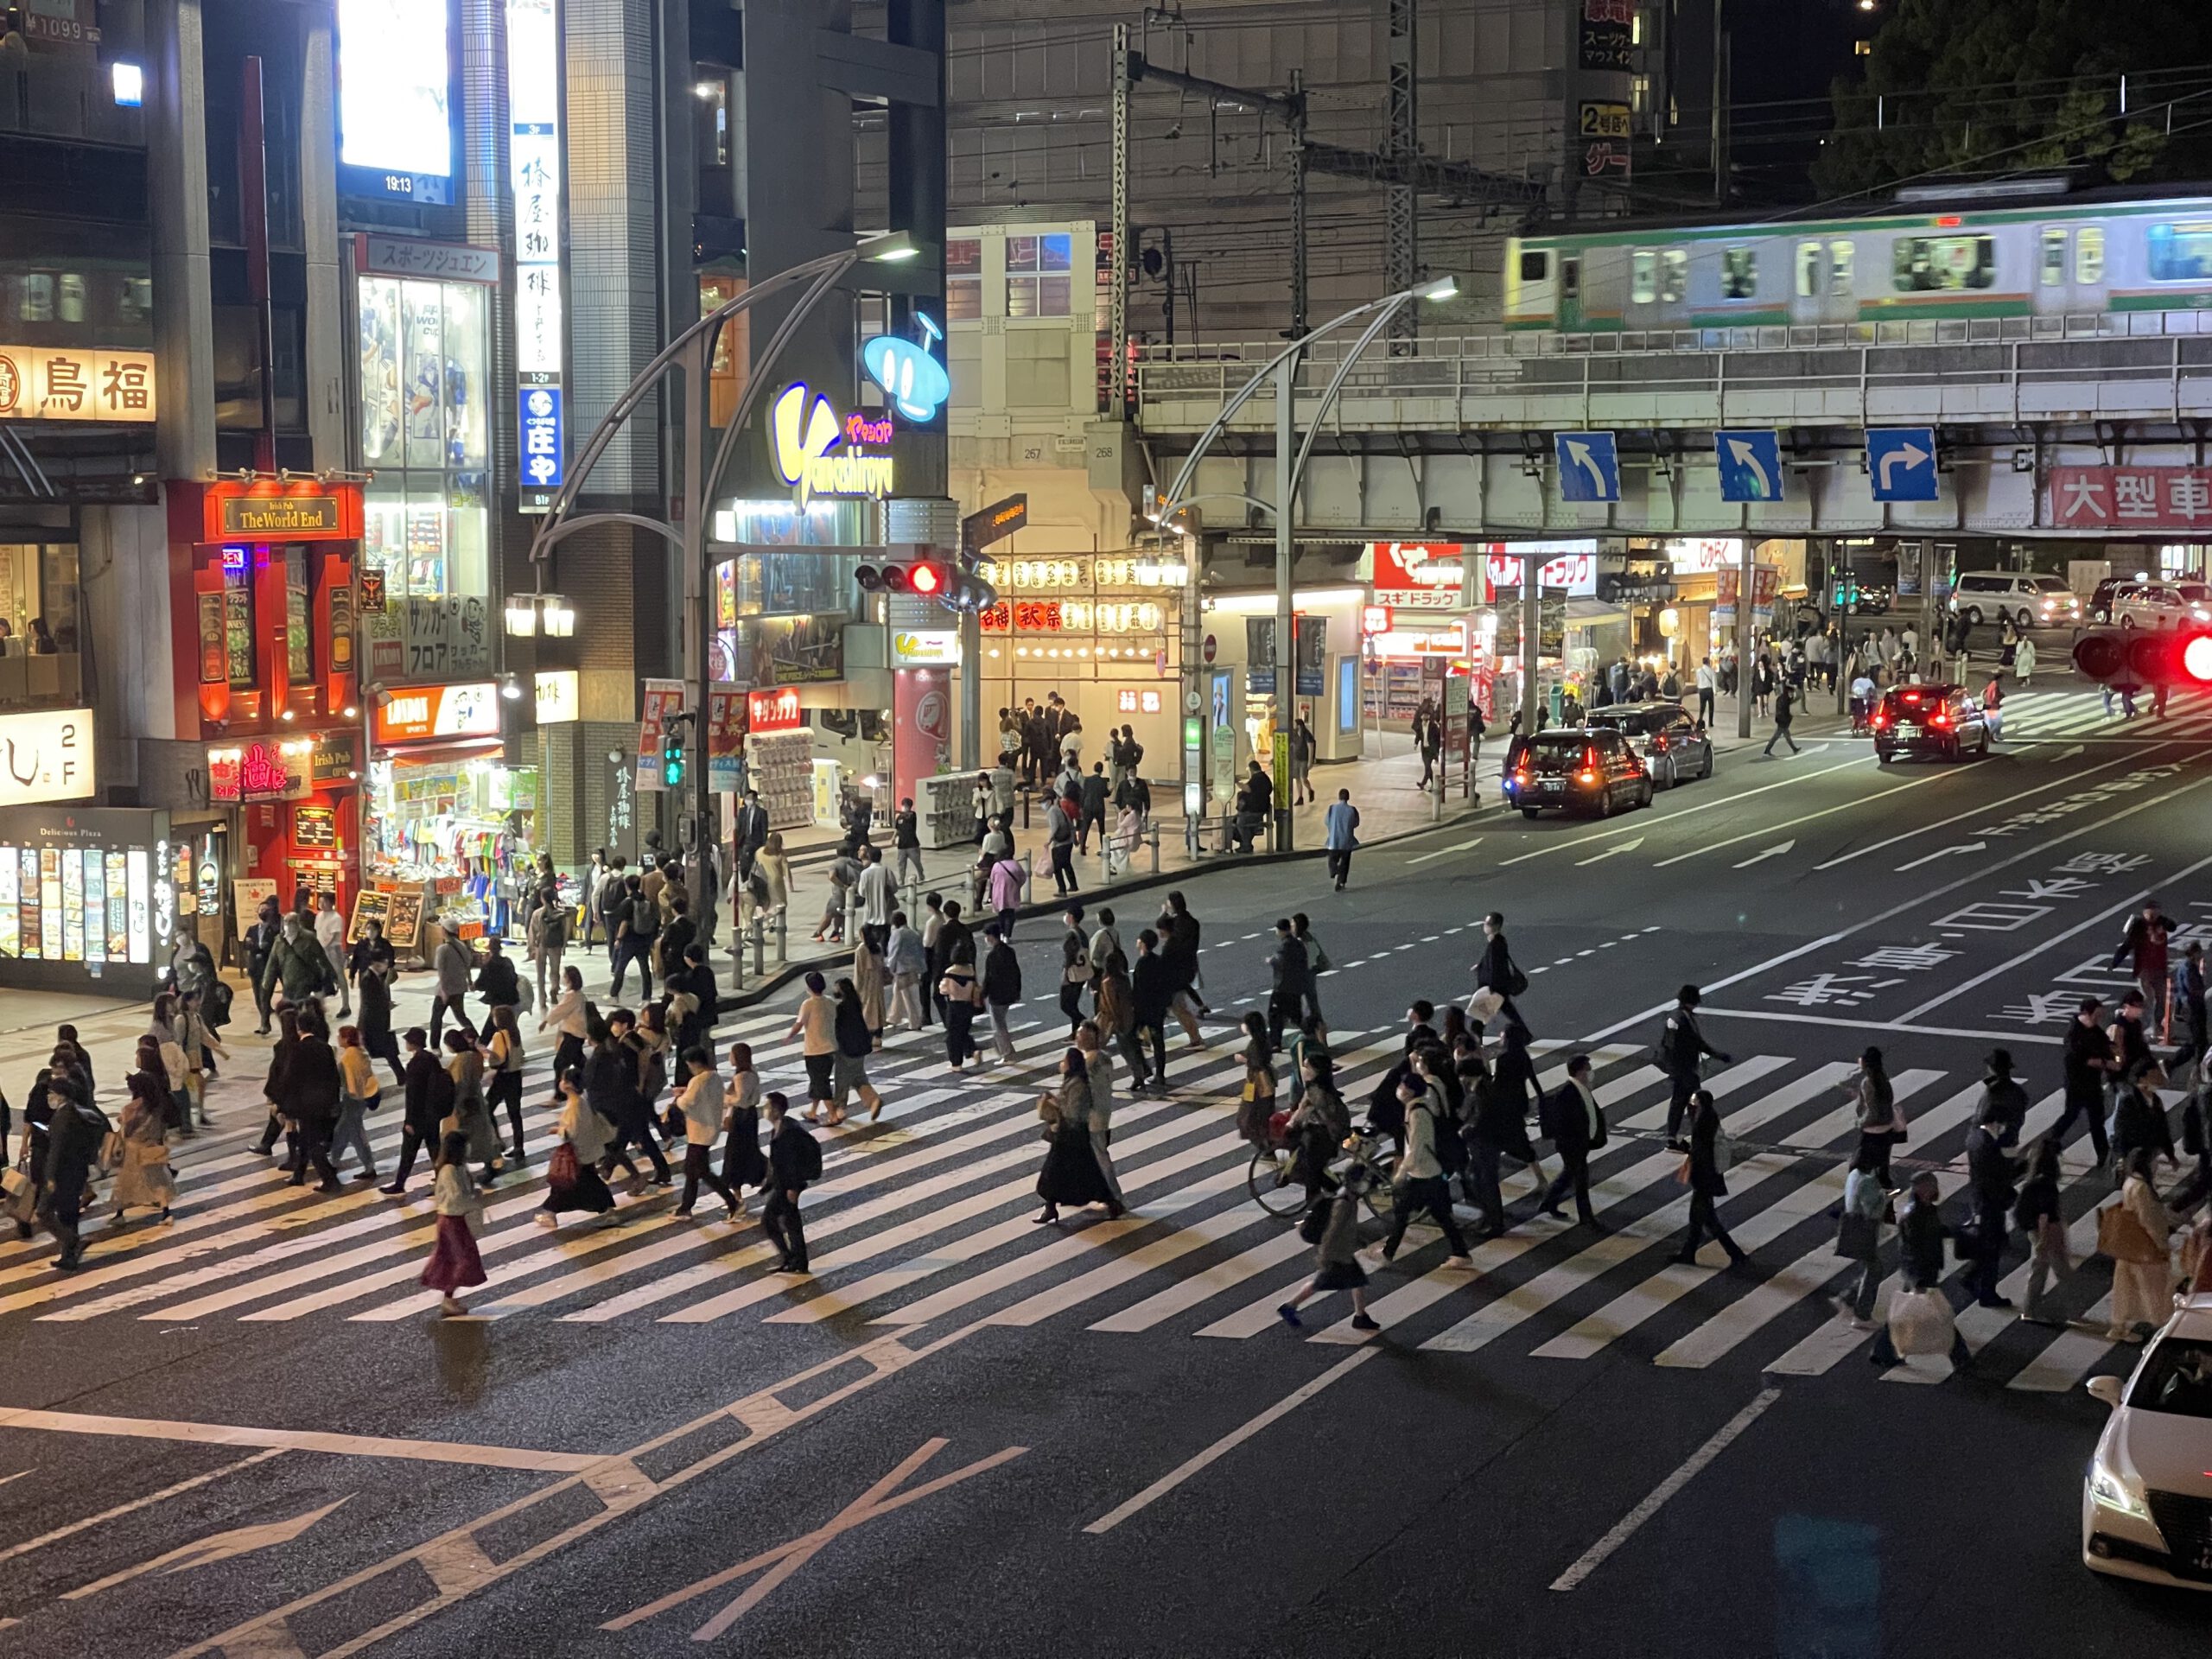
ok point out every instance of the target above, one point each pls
(1592, 613)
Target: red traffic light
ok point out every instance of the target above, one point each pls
(926, 579)
(2197, 657)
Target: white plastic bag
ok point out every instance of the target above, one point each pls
(1482, 1006)
(1921, 1322)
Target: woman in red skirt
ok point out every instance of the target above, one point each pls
(454, 1262)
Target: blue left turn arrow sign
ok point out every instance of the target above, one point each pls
(1751, 465)
(1589, 466)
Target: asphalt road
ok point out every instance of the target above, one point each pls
(966, 1435)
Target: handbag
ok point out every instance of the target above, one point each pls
(1858, 1238)
(18, 1192)
(1921, 1322)
(112, 1148)
(1048, 1114)
(562, 1168)
(2122, 1237)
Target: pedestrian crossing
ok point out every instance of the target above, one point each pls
(2085, 713)
(925, 1218)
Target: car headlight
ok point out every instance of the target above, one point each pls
(2118, 1489)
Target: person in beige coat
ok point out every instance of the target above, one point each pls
(2143, 1291)
(144, 1181)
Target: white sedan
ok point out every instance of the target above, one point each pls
(2163, 605)
(2147, 1499)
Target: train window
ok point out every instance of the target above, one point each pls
(1808, 269)
(1840, 269)
(1642, 278)
(1536, 267)
(1740, 273)
(2053, 256)
(2180, 253)
(1673, 275)
(1924, 265)
(2089, 254)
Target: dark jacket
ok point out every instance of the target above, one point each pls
(1294, 969)
(1494, 972)
(496, 982)
(611, 1082)
(2008, 1100)
(311, 1083)
(296, 966)
(1989, 1173)
(1921, 1233)
(1152, 987)
(784, 1156)
(280, 1056)
(1178, 948)
(1094, 792)
(73, 1144)
(1705, 1161)
(1565, 1120)
(2138, 1121)
(854, 1037)
(376, 1011)
(428, 1094)
(1682, 1044)
(1002, 975)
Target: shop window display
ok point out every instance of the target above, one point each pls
(424, 370)
(462, 830)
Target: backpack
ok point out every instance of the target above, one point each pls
(645, 916)
(555, 935)
(1451, 1151)
(218, 999)
(808, 1155)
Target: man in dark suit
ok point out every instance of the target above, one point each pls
(1576, 1125)
(788, 1166)
(750, 834)
(1495, 971)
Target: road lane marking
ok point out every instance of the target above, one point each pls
(1626, 1526)
(1981, 811)
(1444, 852)
(2103, 916)
(1228, 1443)
(1771, 852)
(1611, 852)
(1944, 852)
(1808, 817)
(208, 1551)
(1880, 1025)
(136, 1504)
(1702, 806)
(300, 1440)
(1897, 910)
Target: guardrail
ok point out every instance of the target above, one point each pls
(2154, 364)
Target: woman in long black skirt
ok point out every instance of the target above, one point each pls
(742, 1163)
(1071, 1174)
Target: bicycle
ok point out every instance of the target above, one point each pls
(1276, 1187)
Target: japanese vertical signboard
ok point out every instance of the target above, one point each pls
(534, 159)
(1605, 36)
(663, 698)
(1766, 581)
(1605, 134)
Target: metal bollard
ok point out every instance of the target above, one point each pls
(1153, 836)
(783, 938)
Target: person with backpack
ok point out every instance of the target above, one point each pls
(1682, 1053)
(794, 1164)
(74, 1135)
(636, 928)
(296, 967)
(1332, 1227)
(548, 945)
(1418, 1178)
(1575, 1124)
(427, 1094)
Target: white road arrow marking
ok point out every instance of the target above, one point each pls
(1761, 858)
(1578, 455)
(1945, 852)
(1908, 456)
(1613, 852)
(1747, 456)
(1444, 852)
(215, 1547)
(2079, 748)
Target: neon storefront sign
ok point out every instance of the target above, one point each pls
(818, 454)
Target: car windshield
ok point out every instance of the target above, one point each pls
(1557, 752)
(2176, 1380)
(2050, 584)
(2195, 593)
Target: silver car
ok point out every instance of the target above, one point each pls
(1674, 746)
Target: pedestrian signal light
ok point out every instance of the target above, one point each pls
(671, 763)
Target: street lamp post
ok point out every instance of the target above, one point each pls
(1290, 467)
(691, 355)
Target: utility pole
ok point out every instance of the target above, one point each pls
(1746, 637)
(1720, 101)
(1401, 142)
(1117, 404)
(1298, 298)
(1286, 551)
(1532, 638)
(1925, 651)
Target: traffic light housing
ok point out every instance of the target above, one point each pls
(673, 757)
(942, 580)
(2148, 657)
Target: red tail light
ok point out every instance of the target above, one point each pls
(1589, 759)
(1939, 718)
(1880, 719)
(1587, 776)
(1660, 743)
(1521, 775)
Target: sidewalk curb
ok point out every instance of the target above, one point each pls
(761, 990)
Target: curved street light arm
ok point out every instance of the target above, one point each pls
(568, 527)
(1337, 385)
(1250, 389)
(758, 378)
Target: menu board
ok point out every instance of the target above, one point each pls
(90, 904)
(369, 908)
(247, 893)
(403, 927)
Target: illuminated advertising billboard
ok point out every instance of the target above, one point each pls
(395, 100)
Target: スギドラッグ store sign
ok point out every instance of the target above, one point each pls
(418, 714)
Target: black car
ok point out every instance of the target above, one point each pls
(2100, 602)
(1674, 745)
(1941, 720)
(1593, 770)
